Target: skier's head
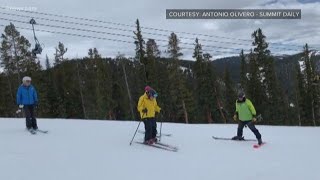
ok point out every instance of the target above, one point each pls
(147, 88)
(26, 81)
(241, 96)
(151, 93)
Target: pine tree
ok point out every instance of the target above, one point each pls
(206, 89)
(180, 97)
(94, 53)
(48, 65)
(59, 55)
(152, 49)
(140, 54)
(312, 89)
(207, 57)
(243, 72)
(299, 93)
(153, 53)
(60, 81)
(275, 95)
(269, 97)
(254, 86)
(230, 94)
(102, 84)
(15, 53)
(140, 43)
(122, 59)
(6, 99)
(79, 84)
(48, 93)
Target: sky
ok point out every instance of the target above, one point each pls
(229, 35)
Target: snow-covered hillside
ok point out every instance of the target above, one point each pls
(99, 150)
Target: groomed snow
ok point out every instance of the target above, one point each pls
(99, 150)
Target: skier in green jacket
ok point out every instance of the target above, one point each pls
(245, 113)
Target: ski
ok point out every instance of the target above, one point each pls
(256, 146)
(223, 138)
(42, 131)
(162, 134)
(158, 147)
(33, 132)
(167, 145)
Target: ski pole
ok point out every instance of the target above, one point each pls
(161, 127)
(136, 131)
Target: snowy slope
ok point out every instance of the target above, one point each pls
(99, 150)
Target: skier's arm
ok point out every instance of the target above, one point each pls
(157, 108)
(251, 107)
(237, 109)
(19, 96)
(35, 96)
(236, 113)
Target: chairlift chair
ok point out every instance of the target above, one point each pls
(37, 49)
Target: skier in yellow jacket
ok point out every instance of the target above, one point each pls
(147, 106)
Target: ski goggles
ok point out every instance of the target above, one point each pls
(153, 93)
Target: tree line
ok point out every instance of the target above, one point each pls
(96, 87)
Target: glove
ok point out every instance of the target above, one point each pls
(145, 111)
(21, 106)
(254, 119)
(18, 111)
(235, 117)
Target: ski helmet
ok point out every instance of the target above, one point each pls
(26, 78)
(241, 95)
(147, 88)
(150, 92)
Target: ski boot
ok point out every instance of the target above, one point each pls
(148, 142)
(154, 140)
(237, 138)
(31, 130)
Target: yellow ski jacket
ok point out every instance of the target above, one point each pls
(245, 110)
(150, 104)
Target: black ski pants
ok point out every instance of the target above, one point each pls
(31, 121)
(251, 126)
(150, 126)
